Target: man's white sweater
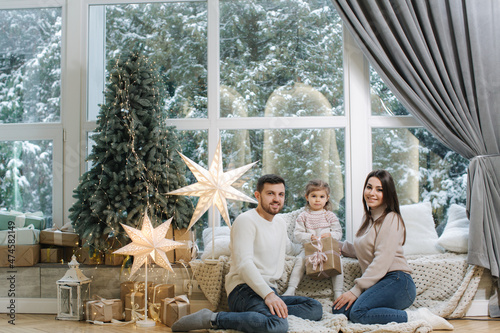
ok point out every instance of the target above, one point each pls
(258, 249)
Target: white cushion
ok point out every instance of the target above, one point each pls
(455, 236)
(421, 235)
(222, 237)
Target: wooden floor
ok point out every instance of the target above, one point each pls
(27, 323)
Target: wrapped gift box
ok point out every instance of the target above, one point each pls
(60, 238)
(170, 235)
(160, 291)
(15, 219)
(134, 305)
(323, 258)
(19, 255)
(104, 310)
(51, 254)
(174, 308)
(128, 287)
(156, 294)
(188, 251)
(20, 236)
(112, 259)
(86, 256)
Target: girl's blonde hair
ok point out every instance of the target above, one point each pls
(319, 185)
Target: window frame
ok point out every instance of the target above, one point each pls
(45, 131)
(357, 120)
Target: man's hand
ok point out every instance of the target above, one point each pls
(325, 235)
(276, 305)
(346, 298)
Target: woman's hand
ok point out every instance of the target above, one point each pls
(313, 238)
(276, 305)
(325, 235)
(346, 298)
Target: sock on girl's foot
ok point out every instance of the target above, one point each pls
(436, 322)
(195, 321)
(289, 292)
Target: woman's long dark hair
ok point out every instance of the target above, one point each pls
(390, 199)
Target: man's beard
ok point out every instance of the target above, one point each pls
(270, 211)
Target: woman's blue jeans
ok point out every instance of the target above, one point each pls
(383, 302)
(249, 312)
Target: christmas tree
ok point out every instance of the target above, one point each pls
(134, 161)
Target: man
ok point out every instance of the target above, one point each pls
(259, 242)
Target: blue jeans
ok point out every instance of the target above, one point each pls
(249, 313)
(383, 302)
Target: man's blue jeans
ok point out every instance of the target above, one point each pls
(383, 302)
(249, 313)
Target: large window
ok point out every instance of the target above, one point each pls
(277, 61)
(30, 109)
(278, 81)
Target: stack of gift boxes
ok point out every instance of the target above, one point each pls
(162, 304)
(19, 238)
(24, 241)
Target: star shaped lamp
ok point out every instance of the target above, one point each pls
(213, 187)
(149, 241)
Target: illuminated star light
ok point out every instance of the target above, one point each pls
(213, 187)
(149, 241)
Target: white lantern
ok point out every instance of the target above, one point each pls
(72, 289)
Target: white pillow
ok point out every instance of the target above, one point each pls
(222, 237)
(455, 236)
(421, 235)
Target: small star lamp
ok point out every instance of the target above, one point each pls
(72, 290)
(148, 242)
(213, 188)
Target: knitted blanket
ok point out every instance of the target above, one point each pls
(445, 283)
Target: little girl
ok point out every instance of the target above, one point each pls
(315, 222)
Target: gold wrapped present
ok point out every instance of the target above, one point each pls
(134, 306)
(174, 308)
(51, 254)
(104, 310)
(323, 258)
(19, 255)
(112, 259)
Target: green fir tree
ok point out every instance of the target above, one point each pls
(134, 161)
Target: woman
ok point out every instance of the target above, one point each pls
(385, 287)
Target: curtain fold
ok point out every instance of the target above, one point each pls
(441, 59)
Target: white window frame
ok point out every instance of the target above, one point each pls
(357, 120)
(45, 131)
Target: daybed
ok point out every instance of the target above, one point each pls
(446, 284)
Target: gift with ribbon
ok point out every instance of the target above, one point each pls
(174, 308)
(104, 310)
(128, 287)
(156, 294)
(20, 236)
(135, 306)
(322, 258)
(12, 218)
(51, 254)
(62, 236)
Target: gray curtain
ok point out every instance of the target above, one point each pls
(441, 58)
